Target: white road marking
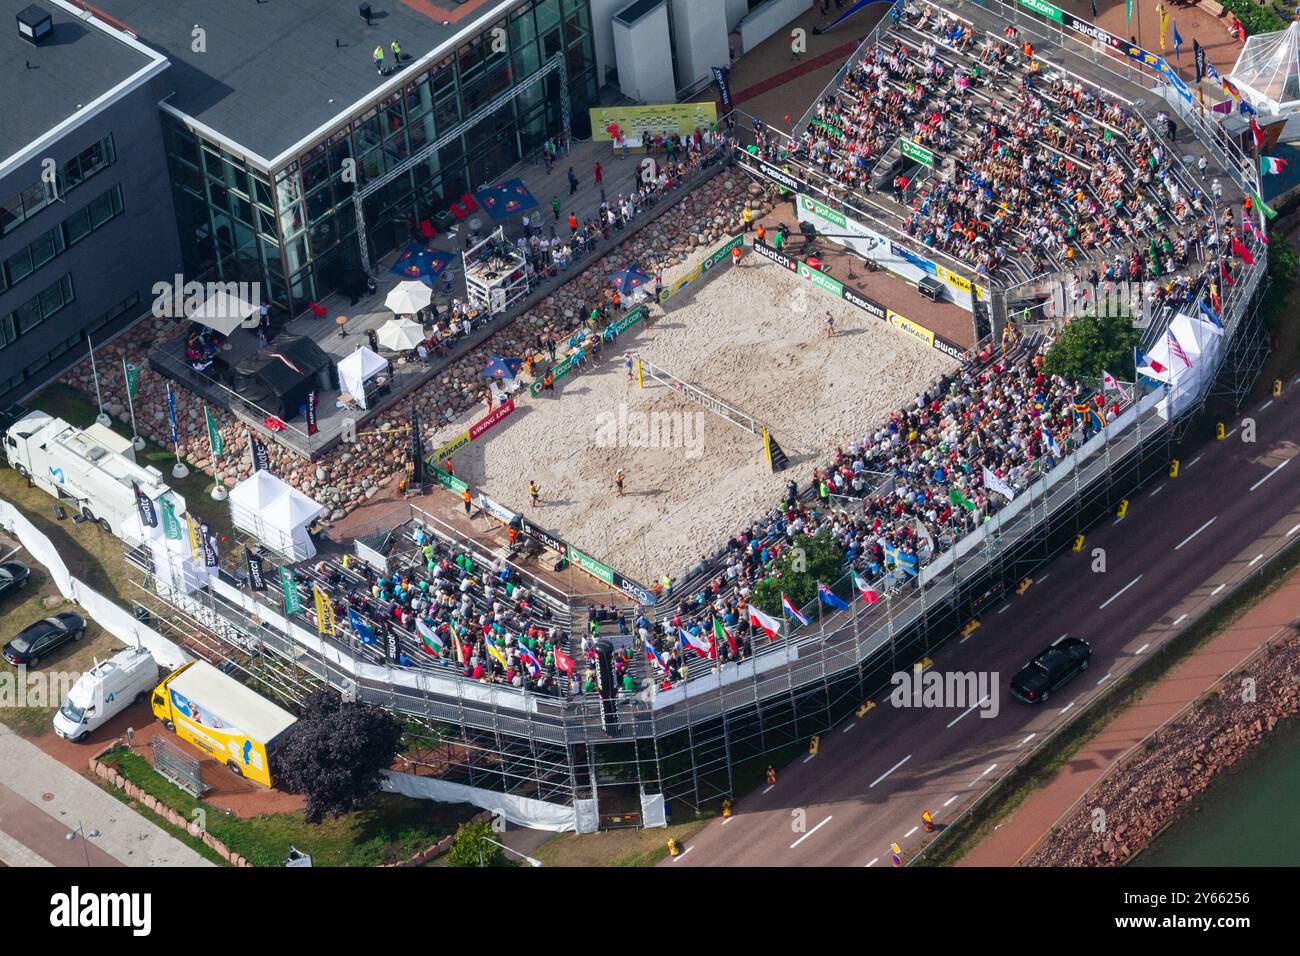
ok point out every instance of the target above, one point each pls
(770, 788)
(1196, 532)
(1043, 578)
(966, 638)
(684, 852)
(1270, 474)
(1027, 739)
(890, 770)
(950, 800)
(1266, 404)
(874, 861)
(1067, 706)
(849, 727)
(980, 703)
(1061, 638)
(1116, 521)
(1142, 648)
(910, 832)
(1119, 592)
(727, 820)
(1217, 590)
(1005, 607)
(1230, 434)
(1293, 530)
(12, 553)
(810, 833)
(1156, 491)
(1255, 560)
(1194, 460)
(1179, 620)
(809, 757)
(983, 775)
(1104, 678)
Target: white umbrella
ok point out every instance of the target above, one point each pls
(400, 335)
(409, 297)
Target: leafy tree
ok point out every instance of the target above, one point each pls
(1088, 344)
(335, 753)
(470, 842)
(797, 572)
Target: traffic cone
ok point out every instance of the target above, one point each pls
(928, 821)
(673, 848)
(771, 775)
(726, 809)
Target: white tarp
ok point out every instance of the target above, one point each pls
(224, 311)
(274, 512)
(586, 816)
(116, 620)
(1200, 341)
(652, 810)
(521, 811)
(356, 369)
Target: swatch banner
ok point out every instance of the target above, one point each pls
(545, 537)
(261, 458)
(209, 545)
(721, 75)
(311, 412)
(780, 258)
(148, 517)
(256, 578)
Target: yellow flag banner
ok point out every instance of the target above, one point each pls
(192, 531)
(324, 613)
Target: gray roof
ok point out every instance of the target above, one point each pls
(271, 73)
(70, 70)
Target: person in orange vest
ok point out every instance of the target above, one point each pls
(1028, 50)
(465, 497)
(616, 300)
(735, 256)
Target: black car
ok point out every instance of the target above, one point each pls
(13, 577)
(39, 640)
(1050, 670)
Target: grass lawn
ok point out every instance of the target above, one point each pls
(616, 847)
(67, 403)
(388, 829)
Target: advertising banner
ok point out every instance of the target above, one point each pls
(667, 118)
(721, 75)
(712, 259)
(913, 329)
(292, 605)
(449, 481)
(449, 449)
(1044, 9)
(591, 565)
(493, 417)
(806, 202)
(915, 152)
(780, 258)
(821, 280)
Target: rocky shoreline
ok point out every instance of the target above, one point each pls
(351, 474)
(1143, 796)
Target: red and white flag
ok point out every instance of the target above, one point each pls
(868, 593)
(563, 661)
(1109, 382)
(769, 625)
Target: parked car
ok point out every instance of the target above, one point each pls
(1050, 670)
(37, 641)
(14, 576)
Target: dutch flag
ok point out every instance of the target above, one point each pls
(792, 610)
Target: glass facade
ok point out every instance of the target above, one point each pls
(295, 228)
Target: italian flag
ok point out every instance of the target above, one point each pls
(769, 625)
(720, 633)
(1271, 164)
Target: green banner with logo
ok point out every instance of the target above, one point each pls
(291, 603)
(821, 209)
(822, 280)
(591, 565)
(449, 481)
(171, 526)
(214, 434)
(917, 154)
(1044, 9)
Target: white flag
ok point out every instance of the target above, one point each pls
(994, 483)
(1109, 381)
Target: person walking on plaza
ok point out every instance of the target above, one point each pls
(555, 207)
(618, 482)
(573, 182)
(573, 223)
(600, 174)
(397, 53)
(534, 492)
(466, 499)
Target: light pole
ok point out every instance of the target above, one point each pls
(72, 835)
(523, 856)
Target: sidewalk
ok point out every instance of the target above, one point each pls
(41, 801)
(1185, 683)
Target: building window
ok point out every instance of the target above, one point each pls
(73, 173)
(72, 230)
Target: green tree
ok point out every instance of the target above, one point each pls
(471, 840)
(797, 572)
(1089, 344)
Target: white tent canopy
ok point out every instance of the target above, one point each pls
(356, 369)
(224, 311)
(1268, 70)
(276, 513)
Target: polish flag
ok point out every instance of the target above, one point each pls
(769, 625)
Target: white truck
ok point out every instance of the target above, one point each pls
(93, 470)
(105, 691)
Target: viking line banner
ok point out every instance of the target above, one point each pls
(493, 417)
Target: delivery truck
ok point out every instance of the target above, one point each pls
(105, 691)
(223, 718)
(92, 470)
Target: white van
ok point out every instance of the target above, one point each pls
(105, 691)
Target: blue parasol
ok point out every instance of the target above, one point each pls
(625, 280)
(504, 368)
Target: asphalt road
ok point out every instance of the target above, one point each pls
(1183, 542)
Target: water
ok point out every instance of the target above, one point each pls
(1247, 816)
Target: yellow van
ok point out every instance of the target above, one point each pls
(223, 718)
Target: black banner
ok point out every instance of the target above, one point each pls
(777, 175)
(722, 75)
(311, 412)
(390, 644)
(256, 579)
(1199, 52)
(209, 546)
(780, 258)
(1071, 22)
(607, 686)
(148, 517)
(261, 458)
(633, 590)
(866, 305)
(544, 537)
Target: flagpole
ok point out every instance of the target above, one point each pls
(102, 418)
(136, 441)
